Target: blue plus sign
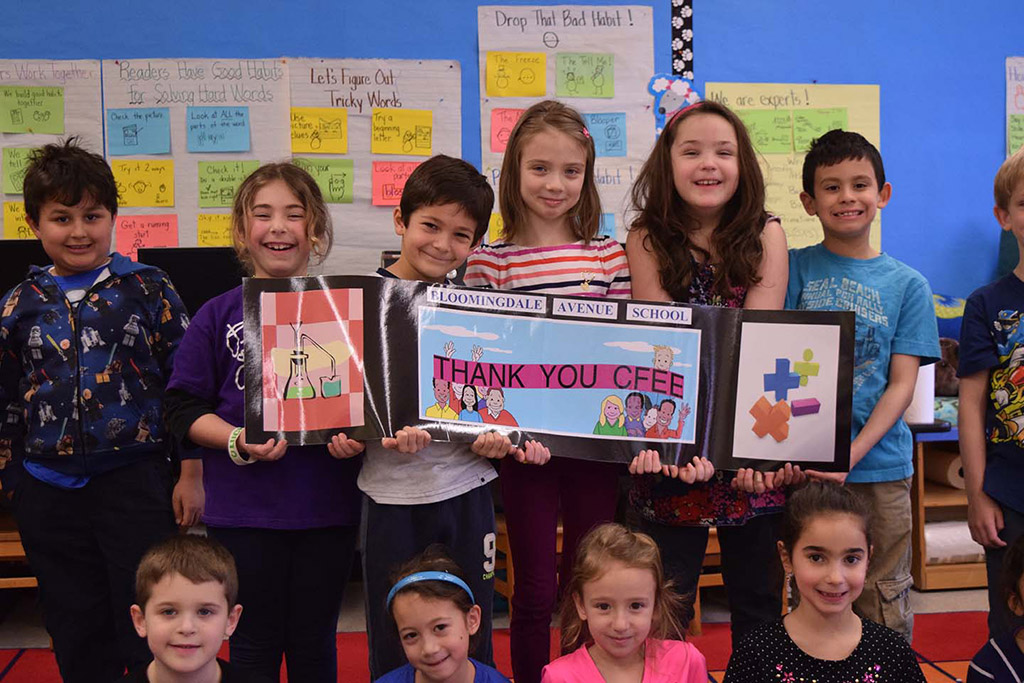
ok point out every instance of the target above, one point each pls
(782, 380)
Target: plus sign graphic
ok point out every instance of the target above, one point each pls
(782, 380)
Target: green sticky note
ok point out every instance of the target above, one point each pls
(30, 109)
(1014, 133)
(334, 176)
(771, 130)
(14, 166)
(584, 74)
(809, 124)
(219, 180)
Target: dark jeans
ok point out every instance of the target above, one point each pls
(751, 567)
(84, 546)
(1001, 621)
(290, 585)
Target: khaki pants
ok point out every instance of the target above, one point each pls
(886, 596)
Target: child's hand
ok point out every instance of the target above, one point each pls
(407, 440)
(532, 453)
(492, 445)
(790, 475)
(342, 447)
(189, 498)
(648, 462)
(985, 518)
(837, 477)
(697, 470)
(271, 450)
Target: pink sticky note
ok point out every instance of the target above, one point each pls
(389, 179)
(134, 232)
(502, 123)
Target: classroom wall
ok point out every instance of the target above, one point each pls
(940, 66)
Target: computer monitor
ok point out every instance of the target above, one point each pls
(198, 273)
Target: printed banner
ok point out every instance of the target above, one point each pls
(592, 379)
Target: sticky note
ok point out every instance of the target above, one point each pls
(809, 124)
(319, 130)
(31, 109)
(584, 74)
(15, 164)
(402, 131)
(334, 176)
(219, 180)
(144, 183)
(15, 224)
(139, 131)
(771, 130)
(495, 227)
(1014, 133)
(388, 180)
(502, 123)
(516, 74)
(213, 230)
(135, 232)
(607, 225)
(608, 132)
(217, 129)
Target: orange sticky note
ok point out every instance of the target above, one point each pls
(389, 179)
(502, 123)
(133, 232)
(15, 224)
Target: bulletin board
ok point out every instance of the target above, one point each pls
(42, 101)
(782, 119)
(597, 59)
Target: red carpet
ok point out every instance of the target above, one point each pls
(947, 640)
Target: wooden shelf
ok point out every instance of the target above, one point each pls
(940, 495)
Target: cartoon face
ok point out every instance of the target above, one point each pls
(665, 413)
(663, 358)
(495, 401)
(651, 418)
(611, 412)
(469, 397)
(634, 406)
(441, 391)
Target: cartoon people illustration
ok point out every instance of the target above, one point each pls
(131, 331)
(666, 410)
(441, 410)
(91, 404)
(612, 421)
(469, 412)
(35, 343)
(663, 357)
(637, 406)
(496, 413)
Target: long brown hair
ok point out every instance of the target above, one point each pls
(585, 217)
(615, 543)
(319, 230)
(669, 223)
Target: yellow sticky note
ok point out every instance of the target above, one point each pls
(495, 226)
(402, 131)
(144, 183)
(15, 225)
(213, 230)
(516, 74)
(319, 130)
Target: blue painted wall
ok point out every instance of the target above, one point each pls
(940, 65)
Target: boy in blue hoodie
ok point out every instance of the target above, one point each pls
(85, 350)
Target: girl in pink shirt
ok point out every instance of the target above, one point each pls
(619, 614)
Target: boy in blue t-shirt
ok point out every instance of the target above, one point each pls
(991, 418)
(85, 349)
(844, 185)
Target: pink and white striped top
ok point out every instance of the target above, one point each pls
(597, 269)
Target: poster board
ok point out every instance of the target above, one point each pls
(1014, 104)
(597, 59)
(181, 135)
(392, 114)
(782, 119)
(43, 101)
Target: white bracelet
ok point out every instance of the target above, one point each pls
(236, 456)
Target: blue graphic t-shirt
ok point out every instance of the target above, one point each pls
(895, 314)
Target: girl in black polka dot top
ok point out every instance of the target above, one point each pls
(825, 547)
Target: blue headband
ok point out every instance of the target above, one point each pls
(428, 576)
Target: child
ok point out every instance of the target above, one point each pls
(185, 605)
(418, 492)
(85, 350)
(991, 434)
(825, 546)
(550, 244)
(702, 236)
(1002, 657)
(438, 621)
(844, 185)
(618, 616)
(289, 515)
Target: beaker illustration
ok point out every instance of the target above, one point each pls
(298, 384)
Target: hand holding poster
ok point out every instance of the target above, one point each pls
(334, 354)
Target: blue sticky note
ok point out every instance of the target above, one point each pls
(217, 129)
(607, 225)
(608, 132)
(139, 131)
